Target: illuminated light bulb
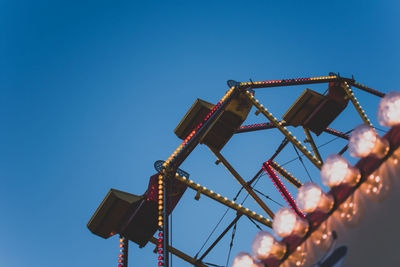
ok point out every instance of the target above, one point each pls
(243, 259)
(376, 187)
(322, 237)
(365, 141)
(287, 222)
(264, 246)
(389, 109)
(336, 170)
(310, 198)
(349, 211)
(298, 257)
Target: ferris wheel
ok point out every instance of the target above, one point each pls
(309, 230)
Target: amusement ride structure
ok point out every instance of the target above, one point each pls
(311, 224)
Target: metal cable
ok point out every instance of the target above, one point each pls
(231, 244)
(302, 163)
(268, 197)
(290, 161)
(223, 216)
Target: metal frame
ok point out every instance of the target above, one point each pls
(193, 139)
(171, 165)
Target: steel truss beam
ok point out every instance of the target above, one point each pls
(356, 104)
(270, 125)
(285, 132)
(225, 201)
(313, 146)
(285, 174)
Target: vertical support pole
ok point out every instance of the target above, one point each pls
(125, 257)
(123, 251)
(312, 143)
(166, 224)
(285, 132)
(356, 104)
(162, 221)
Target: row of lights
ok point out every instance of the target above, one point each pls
(366, 87)
(337, 132)
(190, 136)
(255, 125)
(123, 243)
(356, 104)
(224, 200)
(285, 174)
(289, 80)
(281, 187)
(160, 219)
(364, 141)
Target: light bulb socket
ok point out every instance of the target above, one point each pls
(381, 147)
(301, 227)
(326, 203)
(278, 250)
(353, 176)
(287, 223)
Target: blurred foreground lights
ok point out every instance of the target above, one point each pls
(287, 222)
(349, 211)
(311, 198)
(376, 187)
(389, 109)
(265, 246)
(336, 170)
(243, 259)
(365, 141)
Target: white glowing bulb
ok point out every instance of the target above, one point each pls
(243, 259)
(336, 170)
(286, 222)
(389, 109)
(364, 141)
(264, 246)
(311, 197)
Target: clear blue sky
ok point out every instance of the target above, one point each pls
(90, 92)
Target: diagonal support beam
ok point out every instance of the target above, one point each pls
(282, 188)
(356, 104)
(337, 133)
(285, 132)
(223, 200)
(285, 174)
(180, 254)
(243, 183)
(312, 143)
(367, 89)
(270, 125)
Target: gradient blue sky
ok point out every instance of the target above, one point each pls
(90, 92)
